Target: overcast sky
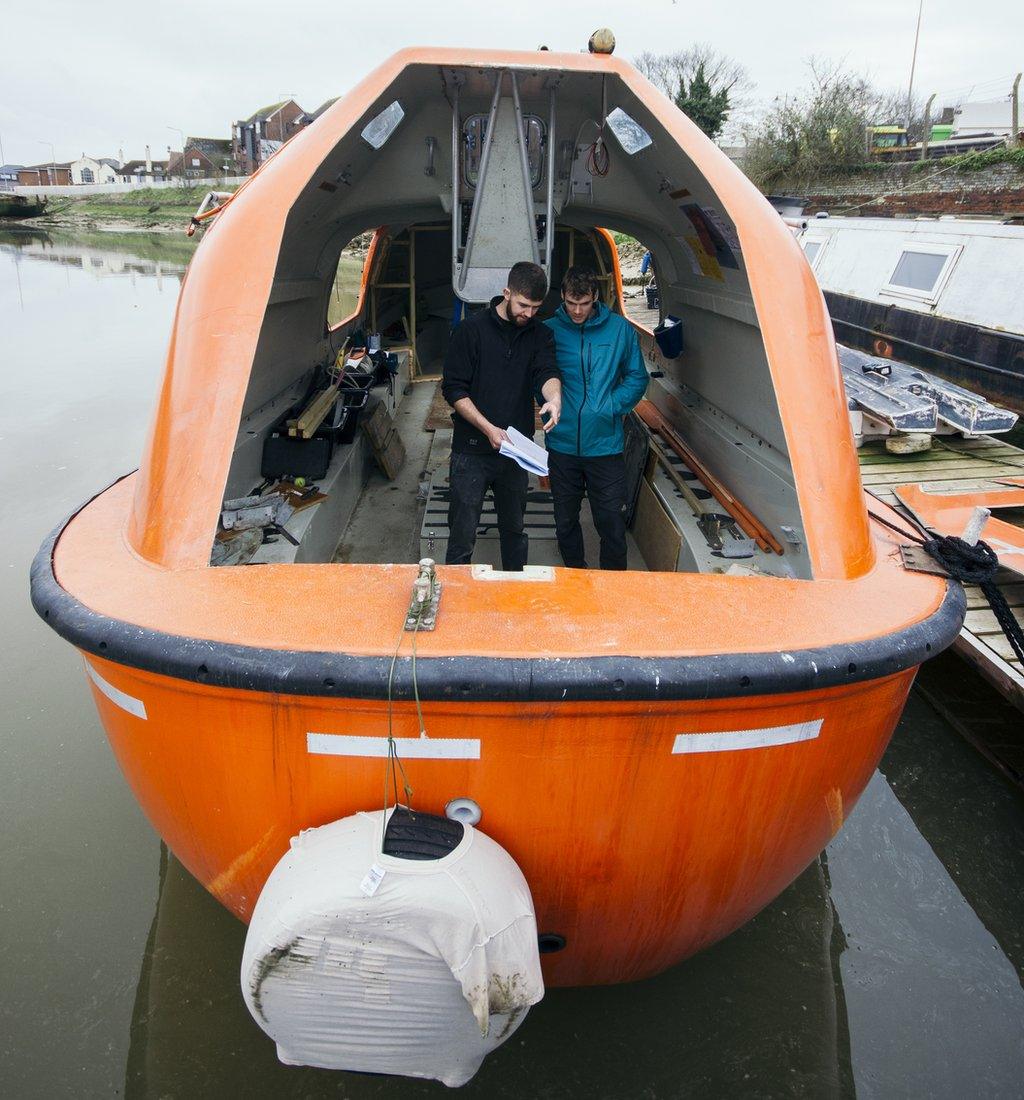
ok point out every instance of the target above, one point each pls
(99, 77)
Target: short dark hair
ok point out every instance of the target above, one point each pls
(528, 279)
(581, 282)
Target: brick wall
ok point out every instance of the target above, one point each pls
(898, 191)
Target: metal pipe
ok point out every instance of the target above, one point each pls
(524, 161)
(1015, 113)
(913, 66)
(549, 224)
(485, 158)
(926, 135)
(456, 199)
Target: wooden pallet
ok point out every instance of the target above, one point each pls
(958, 465)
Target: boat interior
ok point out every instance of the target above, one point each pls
(413, 219)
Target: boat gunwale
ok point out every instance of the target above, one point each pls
(476, 678)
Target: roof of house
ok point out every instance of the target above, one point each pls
(48, 164)
(323, 107)
(266, 112)
(134, 167)
(6, 169)
(212, 147)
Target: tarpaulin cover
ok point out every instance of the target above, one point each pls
(361, 961)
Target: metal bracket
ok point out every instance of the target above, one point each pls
(918, 560)
(426, 597)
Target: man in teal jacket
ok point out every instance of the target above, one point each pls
(603, 377)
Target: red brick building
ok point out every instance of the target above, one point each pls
(203, 158)
(45, 175)
(259, 136)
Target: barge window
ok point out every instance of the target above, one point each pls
(814, 247)
(921, 271)
(631, 135)
(379, 129)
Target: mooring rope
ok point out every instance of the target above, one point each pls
(978, 564)
(394, 763)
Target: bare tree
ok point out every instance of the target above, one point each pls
(668, 71)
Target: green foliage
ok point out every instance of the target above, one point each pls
(707, 107)
(975, 162)
(819, 132)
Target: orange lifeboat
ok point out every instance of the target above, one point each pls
(661, 751)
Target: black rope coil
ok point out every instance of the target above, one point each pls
(978, 564)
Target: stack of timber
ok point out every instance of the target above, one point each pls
(957, 467)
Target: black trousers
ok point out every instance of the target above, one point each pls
(469, 479)
(603, 480)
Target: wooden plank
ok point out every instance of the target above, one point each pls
(657, 537)
(923, 458)
(982, 621)
(391, 457)
(1013, 594)
(1000, 645)
(312, 416)
(1006, 678)
(979, 471)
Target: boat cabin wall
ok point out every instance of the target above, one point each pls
(726, 382)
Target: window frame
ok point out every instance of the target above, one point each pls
(481, 117)
(951, 252)
(821, 239)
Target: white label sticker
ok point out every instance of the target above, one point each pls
(372, 880)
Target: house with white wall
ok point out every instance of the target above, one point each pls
(94, 170)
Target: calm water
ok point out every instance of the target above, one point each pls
(892, 967)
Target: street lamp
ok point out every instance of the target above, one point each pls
(53, 160)
(181, 134)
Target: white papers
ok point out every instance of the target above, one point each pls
(525, 452)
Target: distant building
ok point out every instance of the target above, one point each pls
(45, 175)
(320, 110)
(93, 170)
(258, 137)
(992, 116)
(9, 175)
(143, 171)
(202, 158)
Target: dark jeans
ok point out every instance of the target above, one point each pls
(603, 480)
(469, 479)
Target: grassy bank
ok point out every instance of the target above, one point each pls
(147, 208)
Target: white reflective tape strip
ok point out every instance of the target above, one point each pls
(125, 702)
(408, 748)
(747, 739)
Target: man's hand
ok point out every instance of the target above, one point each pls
(495, 436)
(551, 391)
(552, 411)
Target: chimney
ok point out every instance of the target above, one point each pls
(149, 163)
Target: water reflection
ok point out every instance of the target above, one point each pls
(761, 1014)
(105, 255)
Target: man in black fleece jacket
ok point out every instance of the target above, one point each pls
(499, 360)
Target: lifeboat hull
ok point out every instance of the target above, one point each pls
(646, 830)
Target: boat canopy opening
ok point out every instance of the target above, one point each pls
(468, 169)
